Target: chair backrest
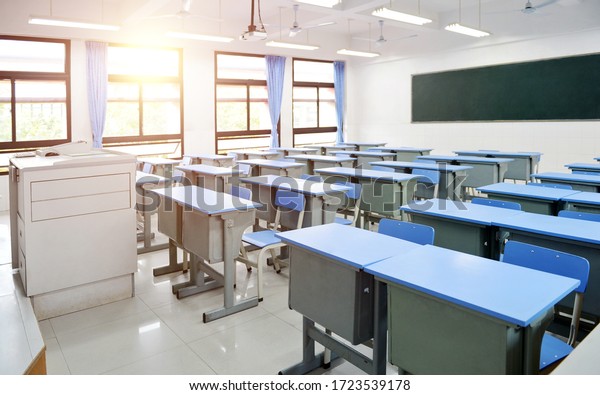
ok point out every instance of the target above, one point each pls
(289, 200)
(579, 215)
(354, 191)
(382, 168)
(243, 168)
(310, 177)
(496, 203)
(550, 185)
(148, 168)
(432, 176)
(416, 233)
(187, 160)
(241, 192)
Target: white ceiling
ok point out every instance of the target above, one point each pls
(354, 23)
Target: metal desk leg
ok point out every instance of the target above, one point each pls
(310, 361)
(234, 225)
(198, 282)
(380, 325)
(173, 265)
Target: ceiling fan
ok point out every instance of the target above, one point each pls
(382, 40)
(185, 12)
(296, 28)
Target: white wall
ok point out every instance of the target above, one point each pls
(379, 105)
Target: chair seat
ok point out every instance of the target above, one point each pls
(261, 239)
(342, 221)
(553, 349)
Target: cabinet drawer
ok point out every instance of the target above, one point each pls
(79, 186)
(81, 205)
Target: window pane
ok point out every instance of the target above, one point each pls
(161, 109)
(143, 61)
(122, 114)
(5, 114)
(305, 107)
(41, 110)
(307, 71)
(247, 143)
(241, 67)
(259, 108)
(314, 138)
(231, 108)
(21, 55)
(327, 112)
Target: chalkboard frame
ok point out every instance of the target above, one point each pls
(553, 89)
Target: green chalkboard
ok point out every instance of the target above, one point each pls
(551, 89)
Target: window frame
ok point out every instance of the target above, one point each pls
(15, 76)
(318, 86)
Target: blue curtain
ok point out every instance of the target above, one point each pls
(97, 84)
(275, 74)
(339, 83)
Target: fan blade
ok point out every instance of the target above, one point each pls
(544, 4)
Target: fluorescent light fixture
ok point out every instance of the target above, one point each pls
(400, 16)
(469, 31)
(201, 37)
(321, 3)
(281, 44)
(51, 21)
(357, 53)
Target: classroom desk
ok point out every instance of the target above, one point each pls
(523, 164)
(211, 177)
(328, 286)
(285, 151)
(588, 167)
(143, 183)
(162, 166)
(211, 225)
(581, 182)
(584, 359)
(322, 200)
(364, 146)
(243, 155)
(451, 176)
(382, 192)
(325, 149)
(460, 226)
(263, 167)
(454, 313)
(404, 154)
(485, 171)
(314, 162)
(211, 159)
(583, 201)
(569, 235)
(363, 158)
(532, 198)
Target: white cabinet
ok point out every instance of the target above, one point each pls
(73, 229)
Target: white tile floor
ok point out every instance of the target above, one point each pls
(154, 333)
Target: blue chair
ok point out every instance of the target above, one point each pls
(562, 264)
(550, 185)
(310, 177)
(266, 239)
(353, 200)
(496, 203)
(428, 184)
(579, 215)
(416, 233)
(241, 192)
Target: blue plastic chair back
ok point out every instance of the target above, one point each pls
(241, 192)
(496, 203)
(290, 200)
(550, 185)
(310, 177)
(579, 215)
(355, 189)
(433, 176)
(382, 168)
(549, 261)
(416, 233)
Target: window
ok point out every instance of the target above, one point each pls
(314, 114)
(34, 94)
(144, 110)
(241, 102)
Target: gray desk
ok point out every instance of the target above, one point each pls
(382, 192)
(211, 225)
(587, 167)
(484, 171)
(460, 226)
(143, 183)
(365, 145)
(328, 286)
(211, 177)
(162, 166)
(532, 198)
(405, 154)
(454, 313)
(583, 201)
(451, 176)
(363, 158)
(264, 167)
(584, 359)
(211, 159)
(325, 149)
(573, 236)
(243, 155)
(581, 182)
(523, 164)
(314, 162)
(322, 200)
(285, 151)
